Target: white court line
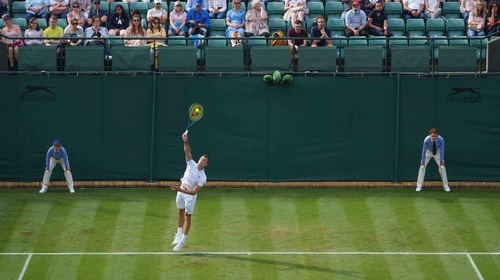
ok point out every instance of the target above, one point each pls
(475, 267)
(25, 267)
(246, 253)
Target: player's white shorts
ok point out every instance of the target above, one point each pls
(186, 201)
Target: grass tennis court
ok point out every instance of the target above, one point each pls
(251, 234)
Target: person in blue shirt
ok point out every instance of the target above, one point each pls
(57, 154)
(198, 21)
(433, 148)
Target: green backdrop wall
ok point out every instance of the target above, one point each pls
(315, 129)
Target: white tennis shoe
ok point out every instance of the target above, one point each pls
(178, 247)
(177, 239)
(418, 189)
(71, 190)
(43, 190)
(447, 189)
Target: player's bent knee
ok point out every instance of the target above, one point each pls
(442, 168)
(422, 167)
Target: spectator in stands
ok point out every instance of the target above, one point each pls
(321, 34)
(235, 22)
(33, 31)
(156, 38)
(135, 30)
(191, 5)
(100, 13)
(296, 37)
(59, 8)
(12, 31)
(36, 9)
(96, 35)
(217, 9)
(85, 6)
(53, 33)
(76, 13)
(477, 20)
(432, 9)
(347, 4)
(413, 9)
(178, 21)
(158, 12)
(493, 18)
(295, 10)
(74, 34)
(198, 21)
(355, 21)
(466, 6)
(370, 6)
(3, 7)
(119, 22)
(256, 21)
(377, 21)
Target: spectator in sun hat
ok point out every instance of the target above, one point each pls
(159, 12)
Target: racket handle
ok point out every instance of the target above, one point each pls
(186, 132)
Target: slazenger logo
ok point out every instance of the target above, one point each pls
(464, 95)
(37, 94)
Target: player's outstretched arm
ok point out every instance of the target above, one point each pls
(187, 148)
(193, 192)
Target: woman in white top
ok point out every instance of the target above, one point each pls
(432, 9)
(12, 31)
(466, 6)
(477, 20)
(33, 31)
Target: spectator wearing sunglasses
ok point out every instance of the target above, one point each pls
(178, 18)
(76, 13)
(159, 12)
(74, 34)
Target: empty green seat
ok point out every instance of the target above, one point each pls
(316, 9)
(435, 27)
(37, 58)
(277, 24)
(455, 27)
(142, 7)
(333, 10)
(218, 27)
(393, 9)
(451, 10)
(415, 27)
(336, 26)
(275, 10)
(397, 26)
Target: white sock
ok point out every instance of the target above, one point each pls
(183, 238)
(179, 230)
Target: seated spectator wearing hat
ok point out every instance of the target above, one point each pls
(355, 21)
(191, 5)
(377, 21)
(36, 9)
(159, 12)
(98, 12)
(198, 21)
(413, 9)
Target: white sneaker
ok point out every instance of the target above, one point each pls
(178, 247)
(177, 239)
(418, 189)
(43, 190)
(71, 190)
(108, 57)
(447, 189)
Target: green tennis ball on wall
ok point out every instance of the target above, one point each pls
(277, 76)
(287, 79)
(268, 78)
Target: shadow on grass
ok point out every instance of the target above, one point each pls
(288, 265)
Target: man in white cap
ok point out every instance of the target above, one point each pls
(159, 12)
(57, 154)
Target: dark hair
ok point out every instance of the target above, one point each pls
(54, 17)
(298, 22)
(34, 20)
(94, 18)
(208, 159)
(433, 130)
(151, 25)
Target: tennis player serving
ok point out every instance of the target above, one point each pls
(191, 183)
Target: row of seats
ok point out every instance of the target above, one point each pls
(263, 59)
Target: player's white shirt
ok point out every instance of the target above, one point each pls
(193, 176)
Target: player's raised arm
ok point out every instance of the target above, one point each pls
(187, 149)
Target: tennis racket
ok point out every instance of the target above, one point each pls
(195, 113)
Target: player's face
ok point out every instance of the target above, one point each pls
(434, 136)
(203, 161)
(57, 148)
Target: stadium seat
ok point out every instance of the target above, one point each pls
(85, 59)
(308, 59)
(256, 41)
(336, 26)
(415, 27)
(62, 22)
(340, 42)
(435, 27)
(42, 23)
(232, 58)
(142, 7)
(275, 10)
(393, 10)
(455, 27)
(106, 8)
(309, 24)
(480, 45)
(18, 9)
(217, 41)
(379, 41)
(114, 4)
(316, 9)
(38, 58)
(176, 41)
(270, 58)
(333, 10)
(436, 43)
(21, 22)
(451, 10)
(116, 41)
(2, 24)
(357, 42)
(398, 41)
(418, 41)
(397, 26)
(131, 58)
(277, 24)
(218, 27)
(459, 41)
(177, 59)
(328, 1)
